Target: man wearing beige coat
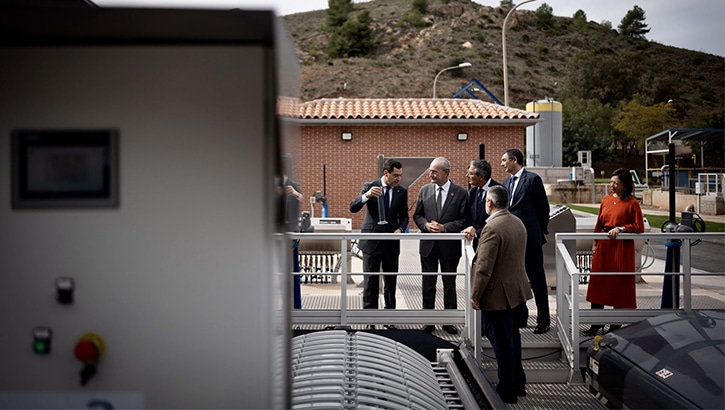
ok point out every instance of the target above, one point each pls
(500, 289)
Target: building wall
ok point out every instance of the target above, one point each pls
(339, 168)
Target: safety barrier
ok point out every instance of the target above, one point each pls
(464, 315)
(570, 316)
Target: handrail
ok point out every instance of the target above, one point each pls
(466, 316)
(569, 316)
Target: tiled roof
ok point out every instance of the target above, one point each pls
(427, 109)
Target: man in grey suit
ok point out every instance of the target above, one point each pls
(442, 206)
(500, 289)
(528, 202)
(387, 212)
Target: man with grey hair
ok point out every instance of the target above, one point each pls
(500, 289)
(479, 177)
(442, 206)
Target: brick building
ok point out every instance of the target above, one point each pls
(343, 143)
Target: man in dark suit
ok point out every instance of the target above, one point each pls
(442, 206)
(386, 211)
(528, 202)
(500, 289)
(479, 177)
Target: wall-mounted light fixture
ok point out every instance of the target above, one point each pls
(347, 136)
(462, 136)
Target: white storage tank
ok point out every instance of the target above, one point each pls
(543, 140)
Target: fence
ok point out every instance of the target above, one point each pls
(466, 316)
(570, 316)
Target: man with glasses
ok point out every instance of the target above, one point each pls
(442, 206)
(387, 212)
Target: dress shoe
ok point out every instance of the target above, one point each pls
(370, 327)
(428, 328)
(392, 327)
(593, 330)
(541, 328)
(450, 329)
(507, 396)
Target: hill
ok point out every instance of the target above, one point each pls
(543, 60)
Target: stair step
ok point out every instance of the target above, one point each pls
(537, 371)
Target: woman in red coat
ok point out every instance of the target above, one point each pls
(619, 212)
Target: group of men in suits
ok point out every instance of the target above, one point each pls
(507, 223)
(442, 206)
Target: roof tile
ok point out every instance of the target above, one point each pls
(399, 108)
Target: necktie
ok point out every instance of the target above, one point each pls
(387, 200)
(512, 184)
(439, 200)
(479, 205)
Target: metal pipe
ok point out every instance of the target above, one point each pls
(503, 40)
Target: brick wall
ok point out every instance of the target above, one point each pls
(348, 164)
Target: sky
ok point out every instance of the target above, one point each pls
(692, 24)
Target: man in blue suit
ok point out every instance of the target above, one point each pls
(386, 205)
(529, 203)
(479, 177)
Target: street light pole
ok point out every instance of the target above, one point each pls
(445, 69)
(505, 69)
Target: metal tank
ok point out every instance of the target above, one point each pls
(543, 140)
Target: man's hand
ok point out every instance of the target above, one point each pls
(435, 227)
(469, 233)
(375, 191)
(474, 305)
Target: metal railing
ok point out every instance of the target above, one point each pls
(464, 315)
(570, 316)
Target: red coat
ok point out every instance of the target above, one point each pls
(615, 255)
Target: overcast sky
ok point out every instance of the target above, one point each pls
(692, 24)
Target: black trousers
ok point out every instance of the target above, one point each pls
(373, 262)
(447, 264)
(537, 278)
(501, 327)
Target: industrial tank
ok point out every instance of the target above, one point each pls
(543, 140)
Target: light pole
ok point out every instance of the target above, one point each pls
(505, 69)
(447, 68)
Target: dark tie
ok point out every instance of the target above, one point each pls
(387, 200)
(512, 184)
(439, 201)
(481, 194)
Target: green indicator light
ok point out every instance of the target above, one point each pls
(39, 347)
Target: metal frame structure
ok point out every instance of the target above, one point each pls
(569, 316)
(467, 317)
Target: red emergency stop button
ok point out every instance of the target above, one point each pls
(89, 349)
(86, 351)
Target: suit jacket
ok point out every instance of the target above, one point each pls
(498, 274)
(531, 206)
(454, 215)
(397, 217)
(478, 213)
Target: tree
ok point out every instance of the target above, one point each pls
(544, 16)
(604, 76)
(635, 122)
(507, 4)
(353, 39)
(633, 25)
(337, 12)
(580, 20)
(421, 6)
(586, 127)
